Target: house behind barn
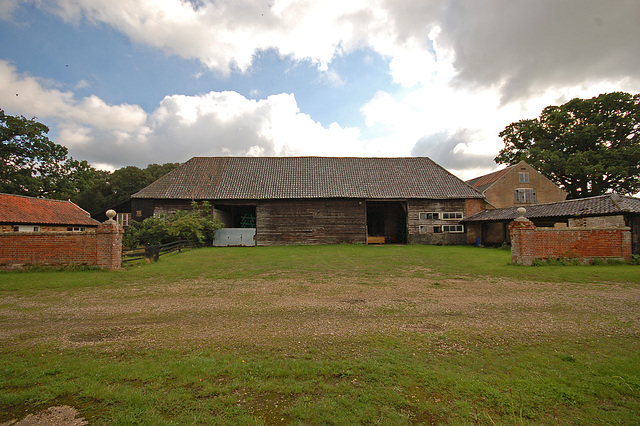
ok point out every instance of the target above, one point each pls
(320, 200)
(517, 185)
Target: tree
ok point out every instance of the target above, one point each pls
(587, 146)
(30, 164)
(156, 171)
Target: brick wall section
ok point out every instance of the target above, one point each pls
(529, 243)
(102, 248)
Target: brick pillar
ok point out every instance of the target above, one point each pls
(109, 243)
(522, 239)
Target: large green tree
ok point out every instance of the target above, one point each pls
(33, 165)
(587, 146)
(30, 164)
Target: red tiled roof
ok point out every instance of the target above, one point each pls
(16, 209)
(251, 178)
(483, 182)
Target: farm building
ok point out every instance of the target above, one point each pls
(28, 214)
(320, 200)
(517, 185)
(605, 211)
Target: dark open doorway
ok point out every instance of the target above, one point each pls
(236, 216)
(387, 222)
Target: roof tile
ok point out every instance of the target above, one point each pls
(16, 209)
(226, 178)
(593, 206)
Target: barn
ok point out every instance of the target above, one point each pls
(320, 200)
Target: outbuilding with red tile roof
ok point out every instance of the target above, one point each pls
(27, 214)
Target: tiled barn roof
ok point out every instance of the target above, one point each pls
(602, 205)
(17, 209)
(483, 182)
(251, 178)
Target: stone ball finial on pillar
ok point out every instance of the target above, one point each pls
(110, 215)
(521, 212)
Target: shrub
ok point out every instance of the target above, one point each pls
(196, 224)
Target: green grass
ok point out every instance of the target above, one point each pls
(567, 374)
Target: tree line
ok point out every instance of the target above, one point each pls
(32, 165)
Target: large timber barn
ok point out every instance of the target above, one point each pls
(320, 200)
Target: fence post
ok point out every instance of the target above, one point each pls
(109, 243)
(152, 252)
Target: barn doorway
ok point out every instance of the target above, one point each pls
(386, 222)
(236, 216)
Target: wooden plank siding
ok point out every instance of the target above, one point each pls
(311, 221)
(333, 221)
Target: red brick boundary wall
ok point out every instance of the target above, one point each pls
(102, 248)
(529, 243)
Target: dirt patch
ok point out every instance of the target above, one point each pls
(266, 312)
(53, 416)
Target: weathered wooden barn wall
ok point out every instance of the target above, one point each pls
(311, 221)
(415, 207)
(168, 207)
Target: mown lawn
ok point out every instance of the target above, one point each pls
(325, 335)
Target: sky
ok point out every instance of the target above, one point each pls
(135, 82)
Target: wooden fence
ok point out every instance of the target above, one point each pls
(154, 252)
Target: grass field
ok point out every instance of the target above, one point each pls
(325, 335)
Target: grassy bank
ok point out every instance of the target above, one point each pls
(325, 335)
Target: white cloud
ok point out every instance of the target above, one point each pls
(28, 95)
(214, 123)
(518, 46)
(7, 7)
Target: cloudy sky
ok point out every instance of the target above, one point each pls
(133, 82)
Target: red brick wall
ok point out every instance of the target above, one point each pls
(102, 248)
(529, 243)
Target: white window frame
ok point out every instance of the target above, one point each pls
(26, 228)
(76, 229)
(523, 177)
(453, 229)
(424, 229)
(123, 219)
(451, 215)
(425, 216)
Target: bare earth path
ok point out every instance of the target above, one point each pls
(267, 312)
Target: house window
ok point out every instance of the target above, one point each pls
(23, 228)
(437, 229)
(76, 229)
(524, 177)
(524, 195)
(452, 228)
(429, 216)
(123, 219)
(452, 215)
(424, 229)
